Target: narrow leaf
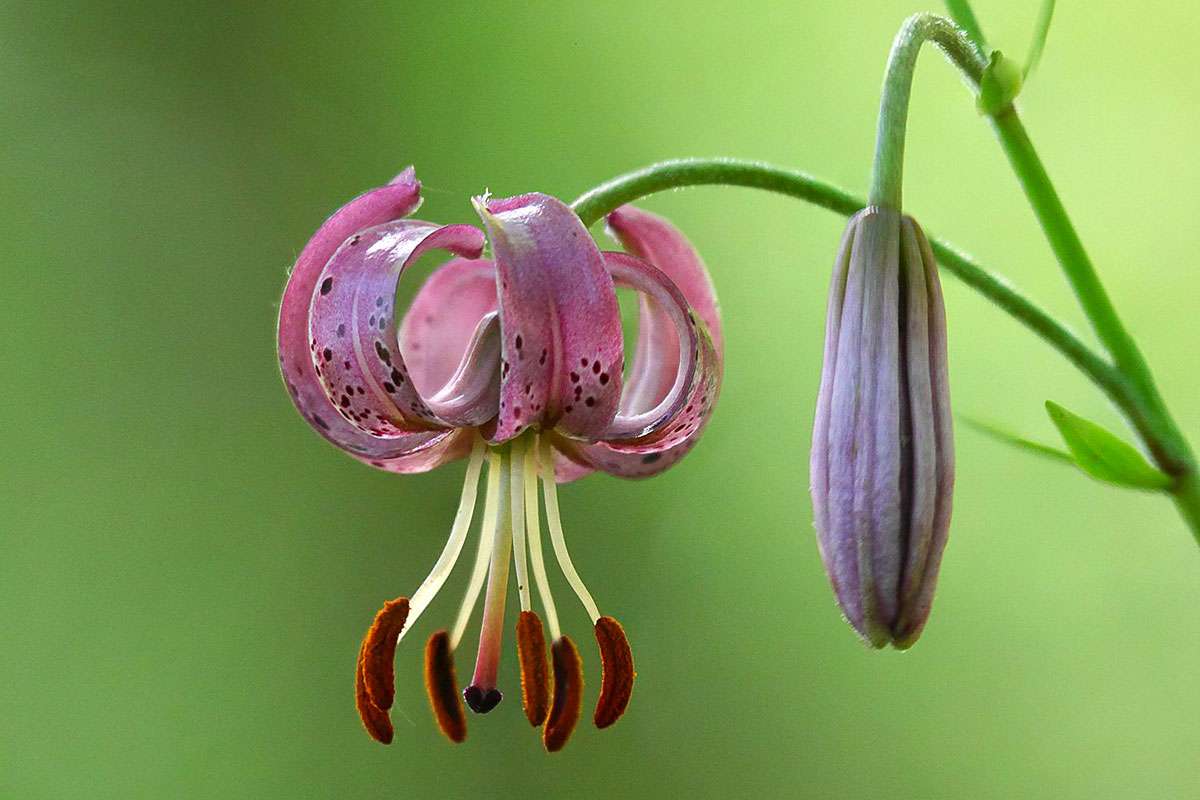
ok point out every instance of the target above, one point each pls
(1102, 455)
(1028, 445)
(1039, 37)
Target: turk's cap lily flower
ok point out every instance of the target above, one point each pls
(516, 361)
(883, 453)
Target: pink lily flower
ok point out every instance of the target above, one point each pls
(514, 360)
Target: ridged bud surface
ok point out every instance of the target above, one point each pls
(883, 451)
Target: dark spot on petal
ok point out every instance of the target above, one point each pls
(326, 285)
(389, 387)
(574, 377)
(397, 378)
(317, 419)
(596, 367)
(327, 354)
(355, 239)
(518, 341)
(650, 458)
(583, 362)
(591, 401)
(378, 302)
(603, 378)
(341, 331)
(345, 401)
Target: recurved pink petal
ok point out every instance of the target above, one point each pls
(440, 323)
(681, 416)
(352, 331)
(409, 451)
(654, 239)
(561, 349)
(667, 309)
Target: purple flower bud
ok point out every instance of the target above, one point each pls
(883, 451)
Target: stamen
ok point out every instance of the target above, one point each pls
(442, 687)
(533, 528)
(616, 672)
(568, 695)
(482, 695)
(374, 719)
(374, 675)
(458, 535)
(535, 674)
(379, 651)
(516, 471)
(486, 534)
(556, 534)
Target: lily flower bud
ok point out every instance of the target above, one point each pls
(883, 453)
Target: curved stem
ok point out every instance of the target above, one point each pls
(598, 202)
(962, 13)
(888, 170)
(1135, 396)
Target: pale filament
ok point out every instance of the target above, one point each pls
(487, 662)
(458, 535)
(486, 534)
(534, 529)
(550, 496)
(517, 495)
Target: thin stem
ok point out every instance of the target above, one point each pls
(1187, 499)
(1134, 395)
(888, 170)
(962, 13)
(1167, 444)
(730, 172)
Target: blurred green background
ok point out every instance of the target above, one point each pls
(179, 620)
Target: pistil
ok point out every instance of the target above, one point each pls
(482, 695)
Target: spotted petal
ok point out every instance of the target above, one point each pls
(676, 422)
(354, 340)
(413, 450)
(561, 350)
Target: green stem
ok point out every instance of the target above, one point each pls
(1148, 419)
(887, 174)
(962, 13)
(1139, 397)
(1167, 444)
(1187, 500)
(598, 202)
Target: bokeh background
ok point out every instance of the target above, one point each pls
(186, 569)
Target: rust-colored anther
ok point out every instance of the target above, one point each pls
(374, 673)
(442, 686)
(535, 671)
(568, 695)
(379, 652)
(374, 719)
(616, 672)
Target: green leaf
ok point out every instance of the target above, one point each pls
(1102, 455)
(1039, 37)
(1028, 445)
